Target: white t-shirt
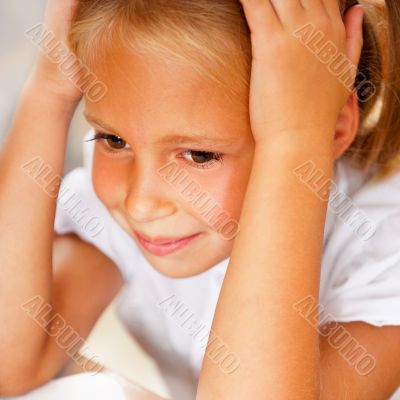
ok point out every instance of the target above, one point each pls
(171, 318)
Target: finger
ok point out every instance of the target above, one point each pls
(312, 5)
(261, 16)
(353, 22)
(288, 11)
(332, 8)
(58, 16)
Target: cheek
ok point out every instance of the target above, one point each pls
(232, 193)
(108, 180)
(233, 187)
(228, 189)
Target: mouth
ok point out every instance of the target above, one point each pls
(162, 246)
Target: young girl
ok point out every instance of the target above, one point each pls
(232, 182)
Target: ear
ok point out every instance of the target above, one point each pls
(346, 126)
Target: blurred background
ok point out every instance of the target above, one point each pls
(109, 340)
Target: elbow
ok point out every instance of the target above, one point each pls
(13, 390)
(10, 389)
(18, 383)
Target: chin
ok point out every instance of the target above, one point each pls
(177, 269)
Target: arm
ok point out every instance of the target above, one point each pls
(270, 270)
(70, 275)
(39, 129)
(27, 215)
(275, 260)
(84, 283)
(278, 349)
(342, 378)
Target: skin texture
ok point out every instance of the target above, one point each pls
(273, 264)
(134, 194)
(148, 101)
(126, 179)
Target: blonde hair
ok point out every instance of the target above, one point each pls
(213, 37)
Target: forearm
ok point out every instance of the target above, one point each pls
(274, 263)
(27, 208)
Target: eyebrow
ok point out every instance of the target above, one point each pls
(173, 138)
(98, 121)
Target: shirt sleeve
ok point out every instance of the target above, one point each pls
(365, 284)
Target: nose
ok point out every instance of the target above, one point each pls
(147, 198)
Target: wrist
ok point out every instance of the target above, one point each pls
(313, 142)
(283, 156)
(45, 85)
(43, 92)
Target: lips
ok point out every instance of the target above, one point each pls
(162, 245)
(160, 239)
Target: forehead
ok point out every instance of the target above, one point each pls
(150, 95)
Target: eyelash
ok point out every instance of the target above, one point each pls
(217, 157)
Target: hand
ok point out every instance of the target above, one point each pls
(57, 22)
(292, 91)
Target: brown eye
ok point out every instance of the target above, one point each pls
(115, 142)
(112, 142)
(201, 157)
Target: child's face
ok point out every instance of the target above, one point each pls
(149, 102)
